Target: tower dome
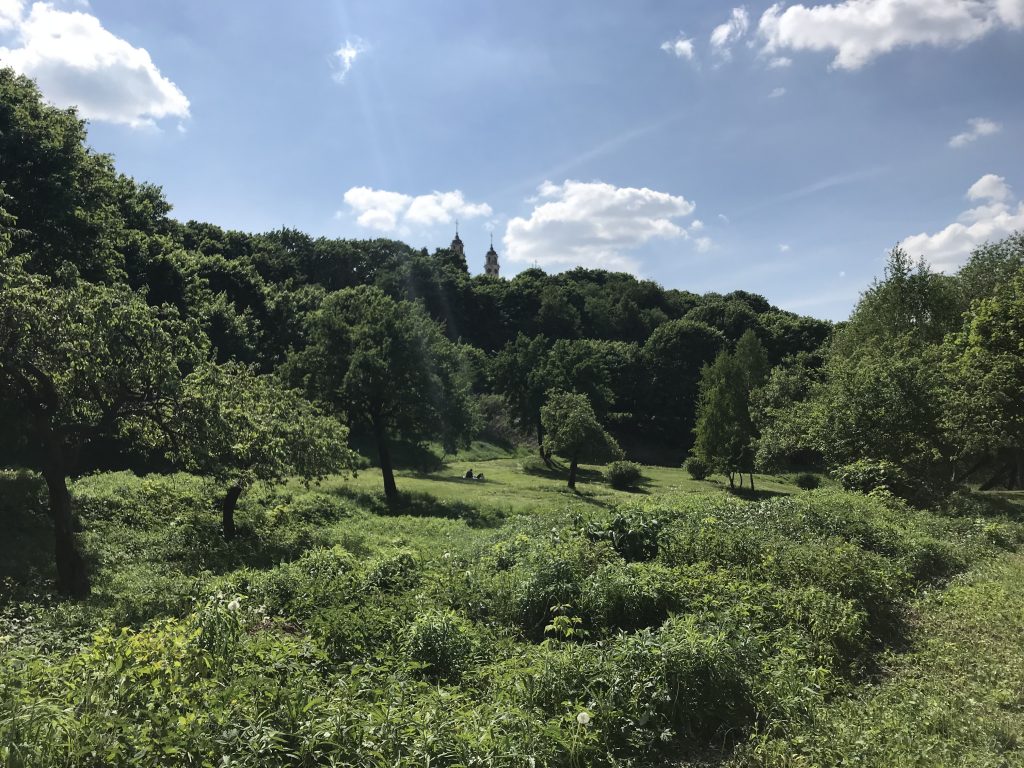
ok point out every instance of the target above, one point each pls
(491, 266)
(457, 246)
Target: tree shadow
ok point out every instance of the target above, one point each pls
(424, 505)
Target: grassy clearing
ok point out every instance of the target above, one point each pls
(508, 622)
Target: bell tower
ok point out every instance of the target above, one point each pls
(457, 246)
(491, 267)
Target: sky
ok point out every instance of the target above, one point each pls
(780, 149)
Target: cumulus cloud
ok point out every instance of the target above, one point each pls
(10, 14)
(724, 35)
(346, 56)
(779, 62)
(77, 62)
(776, 93)
(976, 128)
(860, 30)
(594, 224)
(997, 216)
(681, 47)
(387, 211)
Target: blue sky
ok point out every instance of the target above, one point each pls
(778, 149)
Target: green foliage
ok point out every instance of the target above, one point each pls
(808, 481)
(697, 468)
(442, 641)
(624, 475)
(573, 431)
(866, 476)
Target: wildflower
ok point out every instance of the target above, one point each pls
(234, 605)
(447, 555)
(583, 718)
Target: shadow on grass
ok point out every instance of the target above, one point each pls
(754, 495)
(425, 505)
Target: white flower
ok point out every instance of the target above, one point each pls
(447, 555)
(583, 718)
(234, 605)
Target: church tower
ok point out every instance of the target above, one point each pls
(491, 266)
(457, 246)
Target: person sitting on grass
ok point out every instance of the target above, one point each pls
(468, 475)
(480, 476)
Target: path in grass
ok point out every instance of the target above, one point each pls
(956, 700)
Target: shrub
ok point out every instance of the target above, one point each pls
(865, 475)
(441, 640)
(21, 491)
(624, 475)
(697, 468)
(807, 480)
(632, 533)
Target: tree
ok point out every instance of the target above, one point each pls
(573, 431)
(389, 368)
(985, 409)
(85, 361)
(240, 428)
(672, 360)
(725, 434)
(518, 372)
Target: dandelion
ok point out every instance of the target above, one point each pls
(583, 718)
(234, 605)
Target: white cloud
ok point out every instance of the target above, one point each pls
(783, 247)
(727, 33)
(387, 211)
(681, 47)
(977, 127)
(703, 244)
(696, 225)
(776, 93)
(11, 12)
(860, 30)
(990, 187)
(779, 62)
(594, 224)
(77, 62)
(346, 56)
(723, 218)
(996, 217)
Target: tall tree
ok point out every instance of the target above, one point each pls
(573, 431)
(985, 409)
(389, 368)
(725, 433)
(240, 428)
(85, 361)
(519, 374)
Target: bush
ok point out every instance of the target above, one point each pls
(697, 468)
(442, 641)
(632, 533)
(807, 480)
(624, 475)
(21, 491)
(865, 476)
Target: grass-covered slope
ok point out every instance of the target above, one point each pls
(605, 628)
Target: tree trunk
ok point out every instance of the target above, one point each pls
(572, 473)
(751, 481)
(386, 470)
(72, 580)
(228, 511)
(540, 442)
(731, 483)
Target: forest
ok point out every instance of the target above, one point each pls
(239, 526)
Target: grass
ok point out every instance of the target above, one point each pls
(955, 699)
(508, 490)
(512, 622)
